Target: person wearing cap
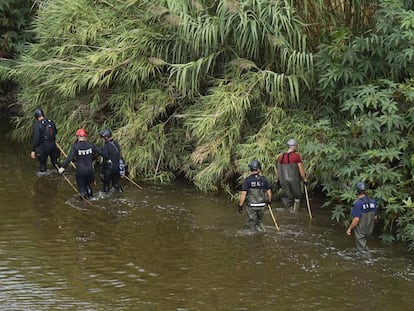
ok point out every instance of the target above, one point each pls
(44, 141)
(83, 152)
(111, 153)
(256, 192)
(290, 173)
(364, 214)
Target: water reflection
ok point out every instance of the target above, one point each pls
(173, 248)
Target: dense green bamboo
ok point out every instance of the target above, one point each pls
(159, 77)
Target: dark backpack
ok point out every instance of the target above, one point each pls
(49, 130)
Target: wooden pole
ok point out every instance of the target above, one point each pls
(133, 182)
(159, 161)
(73, 186)
(273, 217)
(63, 152)
(307, 202)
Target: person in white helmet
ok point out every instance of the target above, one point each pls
(290, 173)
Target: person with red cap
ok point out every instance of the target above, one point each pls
(83, 152)
(290, 173)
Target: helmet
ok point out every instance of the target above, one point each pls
(106, 133)
(292, 142)
(81, 132)
(361, 187)
(38, 113)
(255, 165)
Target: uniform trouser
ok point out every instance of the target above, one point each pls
(291, 191)
(254, 216)
(84, 180)
(48, 149)
(361, 240)
(109, 176)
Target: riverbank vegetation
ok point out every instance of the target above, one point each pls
(200, 88)
(15, 19)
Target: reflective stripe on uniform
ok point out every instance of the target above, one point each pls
(257, 204)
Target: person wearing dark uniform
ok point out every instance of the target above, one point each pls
(111, 153)
(290, 172)
(364, 214)
(44, 141)
(83, 152)
(256, 192)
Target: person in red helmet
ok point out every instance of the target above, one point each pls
(83, 152)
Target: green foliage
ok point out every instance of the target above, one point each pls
(325, 16)
(15, 17)
(181, 83)
(387, 237)
(366, 77)
(338, 213)
(406, 223)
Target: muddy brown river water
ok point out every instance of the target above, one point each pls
(171, 247)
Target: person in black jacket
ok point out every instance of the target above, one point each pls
(44, 141)
(111, 153)
(84, 153)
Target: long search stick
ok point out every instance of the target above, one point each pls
(133, 182)
(61, 150)
(273, 217)
(307, 202)
(73, 186)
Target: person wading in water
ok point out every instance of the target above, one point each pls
(364, 215)
(84, 153)
(111, 153)
(44, 141)
(256, 192)
(290, 172)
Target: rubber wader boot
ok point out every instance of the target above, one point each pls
(118, 188)
(260, 228)
(42, 167)
(89, 192)
(296, 206)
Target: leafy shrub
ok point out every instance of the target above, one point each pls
(366, 78)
